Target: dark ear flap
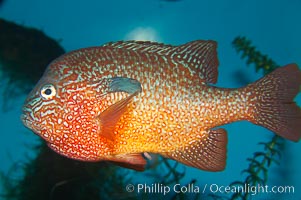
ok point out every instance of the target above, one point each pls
(123, 84)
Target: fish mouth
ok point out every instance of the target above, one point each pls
(29, 123)
(26, 122)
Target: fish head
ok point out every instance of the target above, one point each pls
(44, 105)
(75, 109)
(63, 104)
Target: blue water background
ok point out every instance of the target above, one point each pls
(272, 25)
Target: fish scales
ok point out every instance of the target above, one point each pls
(165, 110)
(122, 99)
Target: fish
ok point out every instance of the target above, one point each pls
(120, 101)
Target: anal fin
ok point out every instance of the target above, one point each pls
(207, 154)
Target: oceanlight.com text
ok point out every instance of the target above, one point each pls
(159, 188)
(253, 190)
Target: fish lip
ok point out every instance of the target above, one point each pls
(30, 124)
(27, 118)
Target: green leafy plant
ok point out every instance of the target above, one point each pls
(257, 172)
(253, 56)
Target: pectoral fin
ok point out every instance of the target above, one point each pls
(109, 118)
(207, 154)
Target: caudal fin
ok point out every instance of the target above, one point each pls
(275, 107)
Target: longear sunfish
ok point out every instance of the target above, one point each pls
(120, 100)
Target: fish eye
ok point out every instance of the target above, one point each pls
(48, 91)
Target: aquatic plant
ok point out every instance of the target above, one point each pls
(24, 55)
(253, 56)
(54, 177)
(51, 176)
(257, 172)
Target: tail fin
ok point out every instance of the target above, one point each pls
(275, 108)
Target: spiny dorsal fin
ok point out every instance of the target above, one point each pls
(199, 55)
(207, 154)
(142, 46)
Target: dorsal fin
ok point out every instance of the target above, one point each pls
(142, 46)
(199, 55)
